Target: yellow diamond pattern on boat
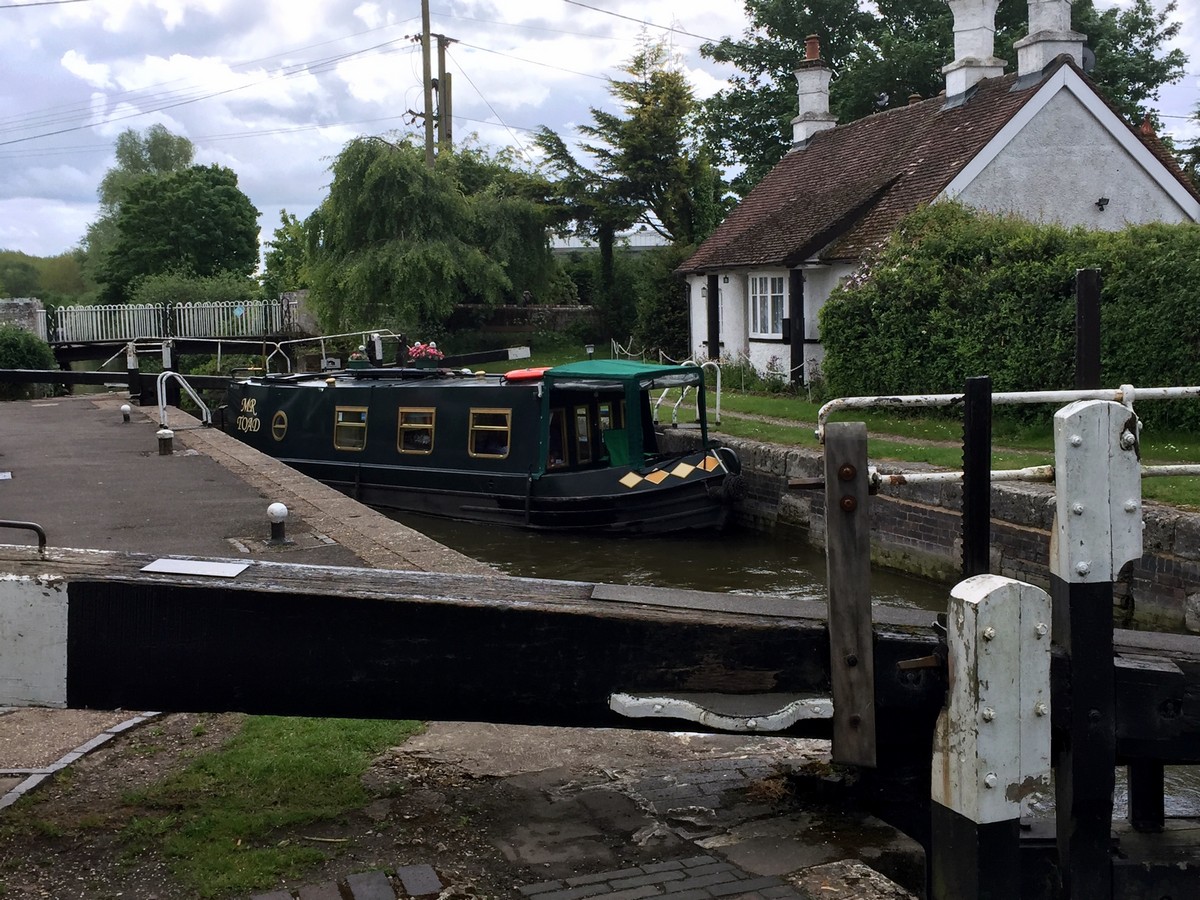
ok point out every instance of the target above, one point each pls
(683, 470)
(658, 476)
(631, 479)
(710, 463)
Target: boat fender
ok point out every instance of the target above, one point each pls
(533, 374)
(733, 489)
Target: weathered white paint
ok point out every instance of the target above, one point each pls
(1049, 36)
(974, 45)
(991, 746)
(1098, 493)
(33, 641)
(729, 712)
(1031, 167)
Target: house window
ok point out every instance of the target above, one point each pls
(415, 434)
(768, 294)
(350, 427)
(489, 433)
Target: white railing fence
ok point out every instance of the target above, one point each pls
(127, 322)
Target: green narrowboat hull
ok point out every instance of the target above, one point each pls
(572, 447)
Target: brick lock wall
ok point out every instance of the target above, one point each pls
(916, 529)
(23, 313)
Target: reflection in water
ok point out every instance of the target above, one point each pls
(736, 561)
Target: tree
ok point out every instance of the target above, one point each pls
(195, 221)
(883, 54)
(138, 155)
(283, 261)
(648, 167)
(397, 245)
(18, 275)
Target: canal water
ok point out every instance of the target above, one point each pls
(738, 562)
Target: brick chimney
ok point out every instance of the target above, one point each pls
(1049, 36)
(812, 89)
(974, 44)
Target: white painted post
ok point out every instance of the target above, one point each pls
(1097, 532)
(991, 746)
(33, 642)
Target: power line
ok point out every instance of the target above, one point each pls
(534, 62)
(516, 141)
(167, 101)
(618, 15)
(40, 3)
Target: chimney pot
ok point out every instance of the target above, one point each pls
(974, 45)
(1049, 37)
(1147, 128)
(812, 47)
(914, 98)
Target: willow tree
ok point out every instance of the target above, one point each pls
(398, 245)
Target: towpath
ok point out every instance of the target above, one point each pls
(654, 820)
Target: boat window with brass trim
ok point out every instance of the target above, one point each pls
(556, 453)
(583, 435)
(489, 433)
(612, 414)
(350, 427)
(415, 429)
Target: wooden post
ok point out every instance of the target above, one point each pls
(1097, 531)
(991, 746)
(427, 79)
(848, 557)
(977, 477)
(1087, 328)
(713, 310)
(796, 322)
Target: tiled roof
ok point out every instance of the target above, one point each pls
(846, 190)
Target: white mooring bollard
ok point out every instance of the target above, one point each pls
(277, 513)
(125, 411)
(166, 438)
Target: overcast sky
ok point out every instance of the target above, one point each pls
(274, 88)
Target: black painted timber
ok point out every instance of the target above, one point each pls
(974, 861)
(1086, 738)
(977, 477)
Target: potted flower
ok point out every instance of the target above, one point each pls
(359, 359)
(425, 356)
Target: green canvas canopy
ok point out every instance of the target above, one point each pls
(631, 379)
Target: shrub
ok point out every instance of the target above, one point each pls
(20, 349)
(956, 293)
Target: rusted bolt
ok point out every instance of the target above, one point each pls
(849, 504)
(847, 472)
(989, 714)
(1041, 630)
(989, 633)
(1076, 440)
(1040, 709)
(1083, 568)
(990, 780)
(1077, 509)
(852, 660)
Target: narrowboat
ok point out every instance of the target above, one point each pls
(567, 447)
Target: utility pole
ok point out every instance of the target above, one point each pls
(445, 124)
(427, 66)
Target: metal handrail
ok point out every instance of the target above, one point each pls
(1125, 394)
(28, 526)
(160, 387)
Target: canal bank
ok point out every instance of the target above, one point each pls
(916, 530)
(722, 819)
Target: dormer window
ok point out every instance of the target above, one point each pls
(768, 298)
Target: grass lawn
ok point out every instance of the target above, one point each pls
(217, 822)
